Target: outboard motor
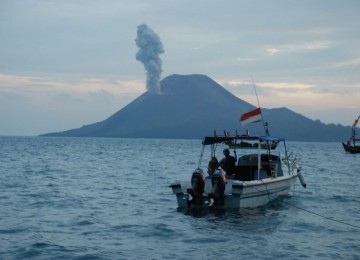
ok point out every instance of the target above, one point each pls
(197, 187)
(218, 182)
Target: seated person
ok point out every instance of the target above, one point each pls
(228, 162)
(213, 165)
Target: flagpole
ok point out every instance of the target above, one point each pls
(257, 98)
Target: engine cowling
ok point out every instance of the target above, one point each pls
(218, 182)
(197, 188)
(198, 182)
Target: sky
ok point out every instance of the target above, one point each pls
(64, 64)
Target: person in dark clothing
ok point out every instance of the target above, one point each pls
(228, 162)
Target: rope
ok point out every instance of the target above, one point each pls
(201, 156)
(308, 211)
(267, 191)
(322, 216)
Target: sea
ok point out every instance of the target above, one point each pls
(109, 198)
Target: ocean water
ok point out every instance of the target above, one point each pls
(98, 198)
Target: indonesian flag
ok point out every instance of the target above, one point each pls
(251, 117)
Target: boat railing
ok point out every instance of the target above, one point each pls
(291, 160)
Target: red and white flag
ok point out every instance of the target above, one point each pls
(251, 117)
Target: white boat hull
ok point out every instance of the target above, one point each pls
(238, 194)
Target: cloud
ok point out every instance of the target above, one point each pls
(16, 80)
(56, 105)
(347, 63)
(331, 102)
(245, 59)
(41, 85)
(299, 47)
(239, 87)
(272, 51)
(91, 96)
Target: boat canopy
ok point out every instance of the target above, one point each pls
(209, 140)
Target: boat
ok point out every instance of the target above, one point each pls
(353, 144)
(258, 178)
(351, 148)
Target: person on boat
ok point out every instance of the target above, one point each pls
(228, 162)
(213, 165)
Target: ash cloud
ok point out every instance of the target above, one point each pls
(150, 49)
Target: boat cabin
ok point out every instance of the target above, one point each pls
(248, 165)
(253, 166)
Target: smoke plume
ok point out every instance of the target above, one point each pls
(150, 49)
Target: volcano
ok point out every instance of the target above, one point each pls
(192, 106)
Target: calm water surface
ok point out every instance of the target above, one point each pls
(86, 198)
